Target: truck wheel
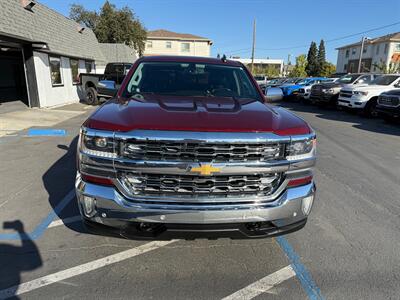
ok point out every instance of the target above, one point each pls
(370, 109)
(91, 96)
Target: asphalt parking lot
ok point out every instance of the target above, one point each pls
(348, 249)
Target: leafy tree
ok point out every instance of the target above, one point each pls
(112, 25)
(388, 69)
(312, 60)
(321, 59)
(84, 17)
(300, 67)
(328, 69)
(269, 71)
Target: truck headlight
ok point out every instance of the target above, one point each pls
(360, 93)
(302, 148)
(97, 144)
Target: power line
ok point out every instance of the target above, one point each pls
(326, 41)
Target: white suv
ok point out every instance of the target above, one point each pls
(365, 97)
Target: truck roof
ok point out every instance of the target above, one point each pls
(190, 59)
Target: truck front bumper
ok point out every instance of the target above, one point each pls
(353, 102)
(114, 213)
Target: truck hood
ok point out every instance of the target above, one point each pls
(195, 114)
(366, 87)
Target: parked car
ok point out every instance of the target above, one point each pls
(260, 79)
(182, 148)
(305, 92)
(364, 97)
(327, 93)
(388, 105)
(290, 91)
(97, 86)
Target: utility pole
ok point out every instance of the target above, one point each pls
(254, 46)
(361, 53)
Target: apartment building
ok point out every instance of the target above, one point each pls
(380, 51)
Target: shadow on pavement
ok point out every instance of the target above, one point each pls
(369, 124)
(16, 259)
(59, 180)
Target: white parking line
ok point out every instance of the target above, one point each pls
(59, 222)
(81, 269)
(263, 285)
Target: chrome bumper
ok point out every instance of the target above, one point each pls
(113, 209)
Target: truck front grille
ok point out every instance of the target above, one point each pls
(201, 152)
(389, 101)
(346, 94)
(221, 186)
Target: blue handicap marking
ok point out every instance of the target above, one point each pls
(46, 132)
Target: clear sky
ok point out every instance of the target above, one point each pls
(280, 24)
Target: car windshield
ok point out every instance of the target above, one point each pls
(259, 77)
(385, 80)
(348, 78)
(190, 79)
(304, 82)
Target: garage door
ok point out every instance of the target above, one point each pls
(12, 76)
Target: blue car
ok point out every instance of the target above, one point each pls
(293, 89)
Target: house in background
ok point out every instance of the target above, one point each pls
(43, 52)
(164, 42)
(377, 51)
(262, 64)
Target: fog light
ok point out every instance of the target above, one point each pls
(306, 204)
(89, 204)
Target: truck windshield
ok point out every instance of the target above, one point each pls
(385, 80)
(190, 79)
(348, 78)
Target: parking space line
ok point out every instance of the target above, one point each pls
(304, 276)
(264, 284)
(59, 222)
(40, 229)
(81, 269)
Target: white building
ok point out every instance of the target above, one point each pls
(263, 63)
(377, 51)
(164, 42)
(42, 54)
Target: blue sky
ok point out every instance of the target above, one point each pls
(280, 24)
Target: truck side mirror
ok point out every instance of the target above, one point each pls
(109, 86)
(273, 94)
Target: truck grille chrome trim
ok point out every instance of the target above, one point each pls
(142, 185)
(391, 101)
(201, 152)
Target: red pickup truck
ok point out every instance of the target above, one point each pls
(190, 146)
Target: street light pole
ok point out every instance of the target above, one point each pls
(361, 53)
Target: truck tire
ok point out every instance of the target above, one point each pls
(370, 109)
(91, 96)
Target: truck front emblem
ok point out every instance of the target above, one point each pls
(205, 170)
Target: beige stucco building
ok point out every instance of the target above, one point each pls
(164, 42)
(377, 51)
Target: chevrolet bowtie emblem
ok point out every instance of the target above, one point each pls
(205, 169)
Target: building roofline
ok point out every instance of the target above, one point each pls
(385, 38)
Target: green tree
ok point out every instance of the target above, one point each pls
(300, 67)
(388, 69)
(328, 69)
(112, 25)
(321, 59)
(312, 60)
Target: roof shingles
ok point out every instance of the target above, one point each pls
(165, 34)
(43, 24)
